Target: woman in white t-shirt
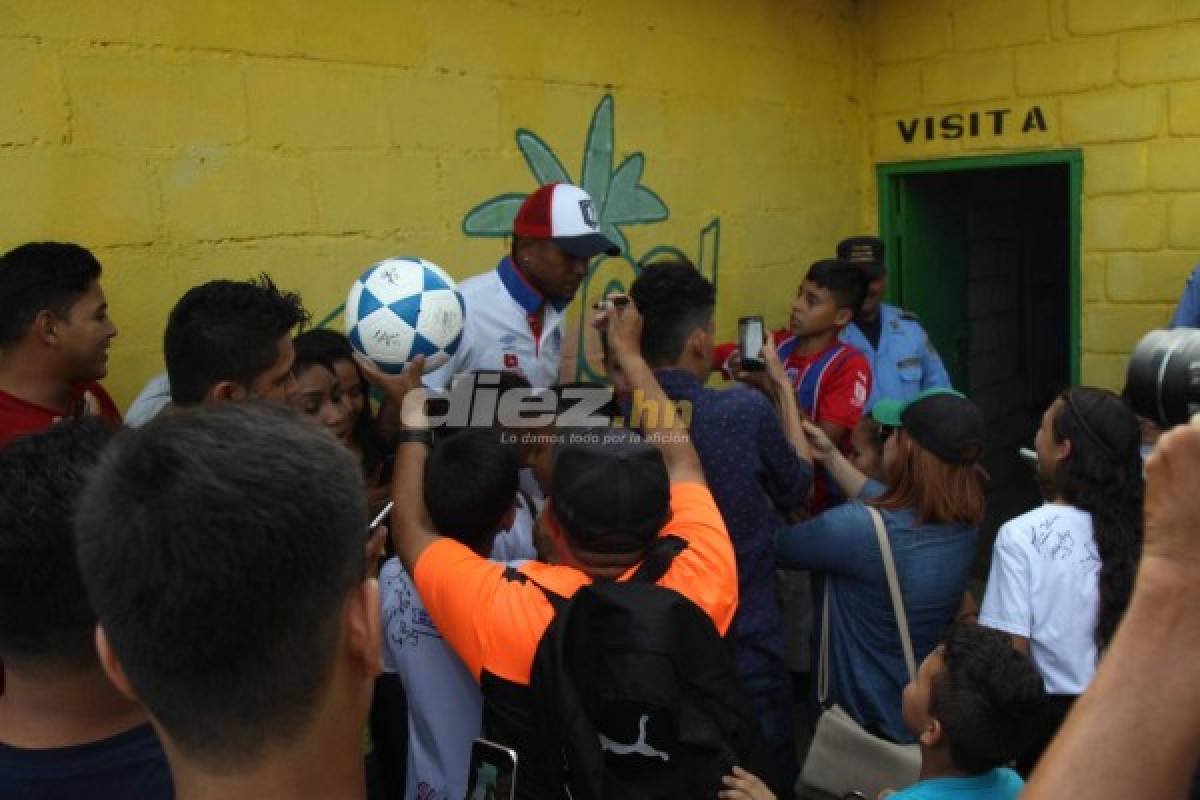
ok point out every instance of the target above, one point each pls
(1062, 573)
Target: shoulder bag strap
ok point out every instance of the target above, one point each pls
(889, 566)
(823, 657)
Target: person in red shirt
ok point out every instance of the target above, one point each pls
(832, 379)
(54, 338)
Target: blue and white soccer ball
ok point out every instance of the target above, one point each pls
(402, 308)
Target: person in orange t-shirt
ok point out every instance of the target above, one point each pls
(611, 499)
(54, 337)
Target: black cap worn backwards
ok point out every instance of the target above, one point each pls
(610, 490)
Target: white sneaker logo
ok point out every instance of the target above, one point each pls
(640, 747)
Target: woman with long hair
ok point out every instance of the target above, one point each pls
(1062, 574)
(331, 350)
(931, 508)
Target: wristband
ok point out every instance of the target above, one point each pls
(422, 435)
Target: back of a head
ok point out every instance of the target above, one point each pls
(322, 346)
(226, 330)
(674, 300)
(470, 484)
(1102, 475)
(988, 698)
(218, 546)
(843, 279)
(41, 276)
(46, 620)
(611, 494)
(1105, 441)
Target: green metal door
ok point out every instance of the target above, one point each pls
(925, 235)
(928, 273)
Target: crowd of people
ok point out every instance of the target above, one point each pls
(674, 598)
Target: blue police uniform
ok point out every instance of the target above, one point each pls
(1187, 313)
(905, 363)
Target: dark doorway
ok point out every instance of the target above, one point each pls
(987, 258)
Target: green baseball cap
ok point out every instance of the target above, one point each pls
(943, 421)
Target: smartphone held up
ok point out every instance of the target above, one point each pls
(750, 343)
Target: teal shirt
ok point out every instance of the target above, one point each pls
(999, 784)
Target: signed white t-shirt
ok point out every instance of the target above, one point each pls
(445, 708)
(1044, 586)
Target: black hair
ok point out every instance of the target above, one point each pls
(41, 276)
(321, 346)
(1102, 475)
(226, 330)
(218, 545)
(45, 616)
(988, 698)
(844, 280)
(326, 347)
(674, 300)
(495, 381)
(470, 484)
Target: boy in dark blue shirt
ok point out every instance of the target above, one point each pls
(65, 731)
(758, 467)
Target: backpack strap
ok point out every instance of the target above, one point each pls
(658, 559)
(655, 564)
(556, 600)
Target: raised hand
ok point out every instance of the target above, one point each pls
(1172, 500)
(822, 446)
(623, 324)
(404, 391)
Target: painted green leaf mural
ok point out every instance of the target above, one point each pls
(597, 172)
(493, 217)
(629, 202)
(541, 159)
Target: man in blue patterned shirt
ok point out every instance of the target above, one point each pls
(749, 453)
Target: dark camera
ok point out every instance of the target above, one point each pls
(1163, 381)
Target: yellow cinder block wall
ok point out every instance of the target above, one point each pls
(188, 141)
(1119, 80)
(308, 139)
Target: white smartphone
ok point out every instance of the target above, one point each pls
(493, 772)
(750, 342)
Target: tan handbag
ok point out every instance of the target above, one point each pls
(843, 757)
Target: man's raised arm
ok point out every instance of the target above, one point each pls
(411, 529)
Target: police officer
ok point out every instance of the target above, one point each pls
(1187, 313)
(903, 360)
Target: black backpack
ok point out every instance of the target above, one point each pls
(635, 694)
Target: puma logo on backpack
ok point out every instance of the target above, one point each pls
(640, 746)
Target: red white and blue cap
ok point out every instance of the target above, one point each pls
(566, 215)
